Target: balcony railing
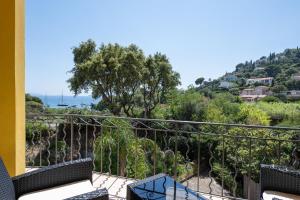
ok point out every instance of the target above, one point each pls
(214, 158)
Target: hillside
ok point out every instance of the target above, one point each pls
(283, 68)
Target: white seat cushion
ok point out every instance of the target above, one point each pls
(60, 192)
(269, 195)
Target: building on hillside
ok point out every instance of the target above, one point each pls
(259, 68)
(230, 77)
(296, 77)
(254, 94)
(264, 81)
(226, 84)
(293, 94)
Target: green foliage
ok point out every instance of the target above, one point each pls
(162, 111)
(280, 66)
(120, 148)
(285, 113)
(118, 134)
(262, 151)
(234, 91)
(118, 74)
(278, 88)
(33, 104)
(187, 105)
(157, 79)
(228, 176)
(34, 107)
(250, 114)
(34, 129)
(224, 107)
(29, 97)
(199, 81)
(293, 84)
(272, 70)
(270, 99)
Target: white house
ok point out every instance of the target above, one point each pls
(264, 81)
(296, 77)
(226, 84)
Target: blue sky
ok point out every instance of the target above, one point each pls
(201, 38)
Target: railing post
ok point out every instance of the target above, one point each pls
(176, 146)
(101, 149)
(279, 152)
(118, 151)
(72, 135)
(56, 132)
(223, 164)
(94, 146)
(40, 148)
(86, 141)
(198, 164)
(135, 153)
(154, 168)
(249, 169)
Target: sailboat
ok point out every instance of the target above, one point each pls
(62, 104)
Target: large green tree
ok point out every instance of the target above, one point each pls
(112, 72)
(116, 74)
(158, 78)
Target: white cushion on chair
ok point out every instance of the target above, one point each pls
(60, 192)
(269, 195)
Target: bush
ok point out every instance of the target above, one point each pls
(270, 99)
(28, 97)
(188, 105)
(33, 131)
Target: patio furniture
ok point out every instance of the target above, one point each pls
(70, 180)
(278, 182)
(160, 186)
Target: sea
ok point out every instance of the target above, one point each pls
(70, 101)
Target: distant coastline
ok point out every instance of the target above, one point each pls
(52, 101)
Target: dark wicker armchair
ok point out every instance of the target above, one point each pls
(49, 177)
(279, 178)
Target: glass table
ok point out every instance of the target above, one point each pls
(160, 187)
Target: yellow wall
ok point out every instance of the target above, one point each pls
(12, 105)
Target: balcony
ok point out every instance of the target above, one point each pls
(219, 161)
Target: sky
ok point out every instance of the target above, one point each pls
(201, 38)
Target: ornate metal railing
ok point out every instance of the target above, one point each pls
(214, 158)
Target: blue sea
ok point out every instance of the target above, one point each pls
(71, 101)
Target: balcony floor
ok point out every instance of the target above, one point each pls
(117, 186)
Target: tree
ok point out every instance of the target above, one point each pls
(112, 73)
(272, 70)
(199, 81)
(157, 79)
(270, 99)
(293, 84)
(33, 104)
(278, 88)
(249, 114)
(116, 74)
(234, 91)
(188, 105)
(28, 97)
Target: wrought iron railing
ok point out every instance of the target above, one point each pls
(204, 156)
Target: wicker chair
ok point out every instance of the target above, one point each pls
(49, 177)
(280, 179)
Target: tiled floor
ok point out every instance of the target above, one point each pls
(117, 186)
